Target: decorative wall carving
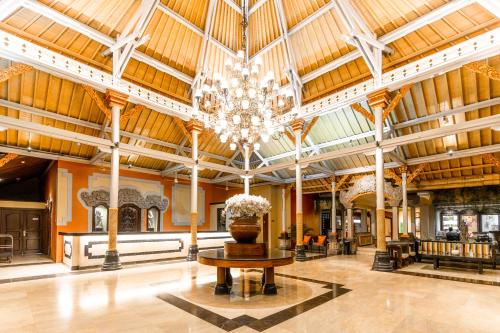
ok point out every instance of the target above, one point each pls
(365, 185)
(125, 196)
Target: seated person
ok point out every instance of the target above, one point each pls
(452, 235)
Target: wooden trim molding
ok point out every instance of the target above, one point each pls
(364, 112)
(7, 158)
(483, 68)
(97, 100)
(11, 71)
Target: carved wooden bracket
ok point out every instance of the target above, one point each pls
(342, 181)
(7, 158)
(483, 68)
(131, 113)
(364, 112)
(97, 100)
(387, 110)
(489, 158)
(389, 173)
(11, 71)
(395, 100)
(416, 172)
(308, 128)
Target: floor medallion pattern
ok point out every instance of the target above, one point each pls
(220, 310)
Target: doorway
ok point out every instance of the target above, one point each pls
(25, 226)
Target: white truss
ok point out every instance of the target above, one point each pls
(18, 49)
(390, 144)
(361, 37)
(8, 7)
(473, 49)
(105, 145)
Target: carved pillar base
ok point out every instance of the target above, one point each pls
(192, 253)
(300, 253)
(111, 261)
(382, 262)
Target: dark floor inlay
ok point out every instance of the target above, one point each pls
(227, 324)
(450, 278)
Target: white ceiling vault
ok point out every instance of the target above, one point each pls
(440, 60)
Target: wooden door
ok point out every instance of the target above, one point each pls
(25, 228)
(32, 240)
(13, 223)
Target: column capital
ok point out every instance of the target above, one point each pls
(379, 99)
(116, 98)
(403, 168)
(194, 125)
(297, 124)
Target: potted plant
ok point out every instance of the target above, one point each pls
(245, 210)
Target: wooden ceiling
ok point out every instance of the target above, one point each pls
(316, 36)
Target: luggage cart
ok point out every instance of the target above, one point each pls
(6, 247)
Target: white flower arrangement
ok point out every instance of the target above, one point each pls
(244, 205)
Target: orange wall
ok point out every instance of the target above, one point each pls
(81, 172)
(79, 223)
(310, 218)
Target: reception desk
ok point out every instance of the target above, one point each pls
(86, 250)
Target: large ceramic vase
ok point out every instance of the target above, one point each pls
(245, 229)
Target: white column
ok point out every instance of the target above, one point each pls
(405, 202)
(116, 101)
(297, 125)
(349, 224)
(195, 128)
(373, 223)
(395, 223)
(246, 179)
(333, 219)
(378, 101)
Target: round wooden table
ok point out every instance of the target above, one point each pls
(224, 263)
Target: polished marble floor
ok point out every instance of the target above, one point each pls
(335, 294)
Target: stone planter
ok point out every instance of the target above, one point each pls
(245, 229)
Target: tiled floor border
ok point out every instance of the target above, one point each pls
(227, 324)
(450, 278)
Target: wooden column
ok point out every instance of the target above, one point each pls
(297, 126)
(405, 199)
(194, 127)
(378, 101)
(116, 101)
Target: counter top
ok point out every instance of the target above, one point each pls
(62, 233)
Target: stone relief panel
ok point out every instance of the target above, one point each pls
(125, 196)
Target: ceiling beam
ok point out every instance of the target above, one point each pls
(256, 6)
(98, 36)
(21, 50)
(104, 144)
(8, 7)
(188, 24)
(476, 48)
(88, 124)
(435, 15)
(392, 143)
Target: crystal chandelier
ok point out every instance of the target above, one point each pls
(242, 107)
